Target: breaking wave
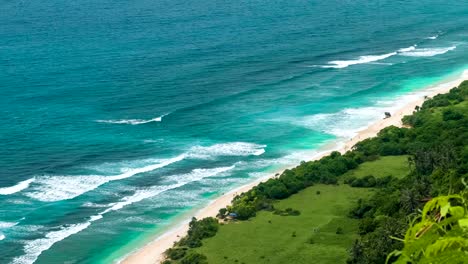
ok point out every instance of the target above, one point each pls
(63, 187)
(132, 121)
(348, 122)
(361, 60)
(410, 48)
(227, 149)
(16, 188)
(411, 51)
(427, 52)
(34, 248)
(57, 188)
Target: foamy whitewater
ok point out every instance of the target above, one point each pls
(119, 121)
(132, 121)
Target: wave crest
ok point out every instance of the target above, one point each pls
(63, 187)
(226, 149)
(338, 64)
(132, 121)
(427, 52)
(34, 248)
(16, 188)
(410, 48)
(57, 188)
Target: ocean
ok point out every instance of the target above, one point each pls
(121, 118)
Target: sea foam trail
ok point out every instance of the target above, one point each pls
(16, 188)
(57, 188)
(227, 149)
(427, 52)
(344, 124)
(132, 121)
(348, 122)
(61, 187)
(34, 248)
(361, 60)
(411, 51)
(4, 226)
(180, 180)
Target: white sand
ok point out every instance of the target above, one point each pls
(154, 251)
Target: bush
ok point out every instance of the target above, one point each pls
(451, 114)
(287, 212)
(339, 231)
(199, 229)
(176, 253)
(222, 213)
(367, 225)
(194, 258)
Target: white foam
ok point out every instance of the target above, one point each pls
(361, 60)
(348, 122)
(94, 205)
(63, 187)
(57, 188)
(433, 37)
(227, 149)
(34, 248)
(427, 52)
(344, 124)
(16, 188)
(180, 180)
(132, 121)
(5, 225)
(410, 48)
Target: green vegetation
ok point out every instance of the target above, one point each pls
(438, 158)
(441, 235)
(406, 168)
(395, 166)
(321, 232)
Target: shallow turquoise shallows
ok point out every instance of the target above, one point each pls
(120, 118)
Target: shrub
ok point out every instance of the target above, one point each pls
(194, 258)
(339, 231)
(199, 229)
(287, 212)
(451, 114)
(176, 253)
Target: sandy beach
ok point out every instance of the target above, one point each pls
(154, 251)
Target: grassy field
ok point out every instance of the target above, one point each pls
(396, 166)
(270, 238)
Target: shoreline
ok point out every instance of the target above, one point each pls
(153, 252)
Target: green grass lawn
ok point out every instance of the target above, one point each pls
(270, 238)
(396, 166)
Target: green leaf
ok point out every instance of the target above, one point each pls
(463, 222)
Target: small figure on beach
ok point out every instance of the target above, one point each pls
(387, 115)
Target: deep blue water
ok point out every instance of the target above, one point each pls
(118, 117)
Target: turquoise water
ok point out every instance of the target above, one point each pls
(119, 117)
